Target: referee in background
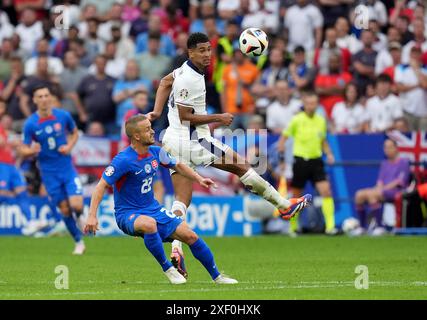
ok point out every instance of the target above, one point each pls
(309, 130)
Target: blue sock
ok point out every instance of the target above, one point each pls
(72, 228)
(201, 252)
(154, 244)
(55, 213)
(24, 203)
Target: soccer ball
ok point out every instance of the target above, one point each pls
(253, 42)
(350, 225)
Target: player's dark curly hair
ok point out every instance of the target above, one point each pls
(196, 38)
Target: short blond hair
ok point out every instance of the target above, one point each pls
(131, 124)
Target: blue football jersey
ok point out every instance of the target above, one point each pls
(51, 133)
(131, 176)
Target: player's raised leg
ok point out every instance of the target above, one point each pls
(147, 226)
(179, 208)
(234, 163)
(201, 252)
(71, 225)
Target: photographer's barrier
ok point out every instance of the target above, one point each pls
(213, 216)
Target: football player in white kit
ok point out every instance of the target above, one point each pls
(188, 138)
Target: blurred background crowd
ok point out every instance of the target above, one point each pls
(104, 61)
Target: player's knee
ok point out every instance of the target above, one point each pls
(148, 226)
(65, 210)
(77, 207)
(190, 237)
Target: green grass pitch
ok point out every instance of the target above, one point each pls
(268, 267)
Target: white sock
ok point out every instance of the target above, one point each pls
(177, 244)
(181, 207)
(256, 184)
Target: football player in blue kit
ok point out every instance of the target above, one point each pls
(50, 134)
(138, 213)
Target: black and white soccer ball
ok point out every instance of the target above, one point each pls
(253, 42)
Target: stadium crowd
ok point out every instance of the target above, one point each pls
(103, 61)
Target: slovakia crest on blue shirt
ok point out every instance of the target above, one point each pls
(154, 164)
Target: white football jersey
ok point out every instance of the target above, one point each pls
(188, 90)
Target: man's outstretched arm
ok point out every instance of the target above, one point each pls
(92, 221)
(162, 95)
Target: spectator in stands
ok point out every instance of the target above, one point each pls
(131, 11)
(364, 62)
(95, 91)
(348, 116)
(207, 10)
(380, 40)
(236, 98)
(55, 65)
(377, 11)
(333, 10)
(6, 52)
(283, 108)
(7, 29)
(139, 105)
(114, 19)
(308, 130)
(420, 40)
(95, 129)
(174, 22)
(140, 25)
(228, 9)
(411, 83)
(402, 125)
(78, 46)
(263, 18)
(125, 46)
(124, 90)
(402, 25)
(384, 58)
(70, 79)
(392, 179)
(93, 44)
(115, 65)
(153, 65)
(29, 30)
(102, 8)
(224, 52)
(396, 54)
(181, 52)
(330, 47)
(63, 45)
(384, 108)
(344, 39)
(301, 76)
(89, 12)
(12, 92)
(304, 23)
(264, 88)
(42, 77)
(330, 86)
(167, 46)
(17, 50)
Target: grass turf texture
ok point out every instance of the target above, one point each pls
(267, 267)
